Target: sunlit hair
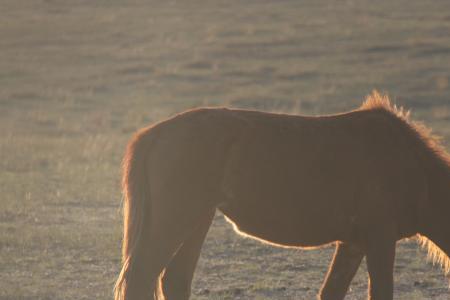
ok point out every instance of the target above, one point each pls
(435, 254)
(134, 193)
(432, 142)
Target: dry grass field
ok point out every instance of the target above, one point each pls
(77, 78)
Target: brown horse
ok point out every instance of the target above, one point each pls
(363, 179)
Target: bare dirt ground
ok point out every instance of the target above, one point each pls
(78, 77)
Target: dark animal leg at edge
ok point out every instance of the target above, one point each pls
(177, 277)
(380, 265)
(343, 267)
(163, 240)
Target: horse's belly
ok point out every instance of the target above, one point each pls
(296, 209)
(285, 226)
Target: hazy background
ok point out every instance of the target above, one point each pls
(77, 78)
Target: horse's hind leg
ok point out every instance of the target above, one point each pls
(168, 229)
(152, 255)
(154, 252)
(346, 261)
(177, 278)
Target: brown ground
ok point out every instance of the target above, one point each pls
(78, 77)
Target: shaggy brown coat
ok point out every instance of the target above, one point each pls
(363, 180)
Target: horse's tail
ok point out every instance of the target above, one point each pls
(136, 207)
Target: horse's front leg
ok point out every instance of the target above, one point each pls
(343, 267)
(380, 265)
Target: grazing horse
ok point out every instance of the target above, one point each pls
(362, 180)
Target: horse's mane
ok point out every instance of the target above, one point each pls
(435, 254)
(432, 142)
(433, 146)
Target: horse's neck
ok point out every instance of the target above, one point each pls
(439, 186)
